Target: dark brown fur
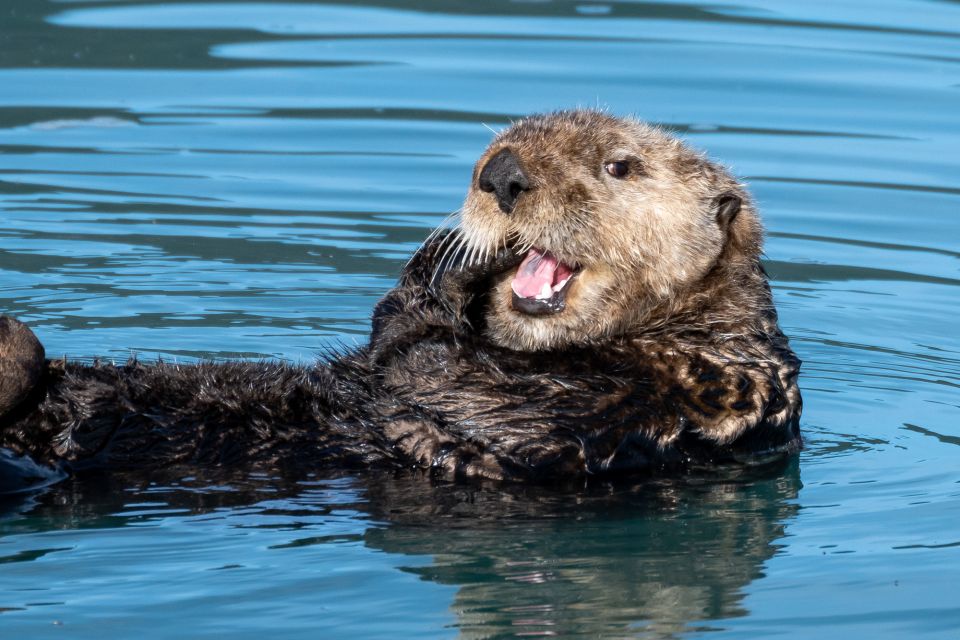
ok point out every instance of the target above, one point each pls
(693, 371)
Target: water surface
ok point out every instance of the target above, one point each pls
(240, 179)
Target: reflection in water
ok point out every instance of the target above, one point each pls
(655, 559)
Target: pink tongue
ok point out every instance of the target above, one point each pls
(535, 275)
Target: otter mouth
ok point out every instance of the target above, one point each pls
(541, 283)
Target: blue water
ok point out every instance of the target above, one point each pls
(225, 179)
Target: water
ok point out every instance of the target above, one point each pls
(223, 179)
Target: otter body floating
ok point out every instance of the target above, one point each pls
(598, 308)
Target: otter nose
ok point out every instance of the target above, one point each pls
(503, 177)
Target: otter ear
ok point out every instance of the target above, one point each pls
(727, 206)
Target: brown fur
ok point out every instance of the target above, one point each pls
(667, 356)
(646, 242)
(671, 290)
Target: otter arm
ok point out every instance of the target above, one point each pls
(432, 295)
(627, 408)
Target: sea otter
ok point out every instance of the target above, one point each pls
(598, 307)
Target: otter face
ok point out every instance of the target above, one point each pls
(611, 217)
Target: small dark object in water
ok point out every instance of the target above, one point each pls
(577, 321)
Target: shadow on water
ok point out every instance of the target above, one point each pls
(658, 558)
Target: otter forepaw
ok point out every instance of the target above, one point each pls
(450, 267)
(424, 445)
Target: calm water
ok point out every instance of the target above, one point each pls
(186, 180)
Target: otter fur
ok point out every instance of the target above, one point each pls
(598, 307)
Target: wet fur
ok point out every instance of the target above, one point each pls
(668, 356)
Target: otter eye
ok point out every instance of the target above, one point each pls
(617, 169)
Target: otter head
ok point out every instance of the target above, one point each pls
(612, 219)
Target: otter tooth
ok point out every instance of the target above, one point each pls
(560, 285)
(546, 291)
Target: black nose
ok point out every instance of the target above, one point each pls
(503, 177)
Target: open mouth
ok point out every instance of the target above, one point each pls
(541, 283)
